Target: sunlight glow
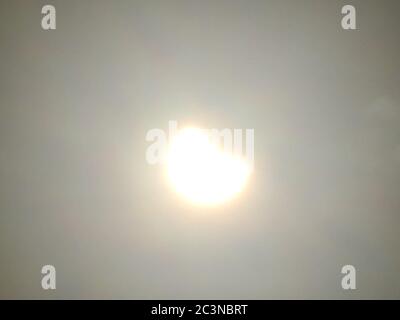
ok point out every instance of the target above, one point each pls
(201, 171)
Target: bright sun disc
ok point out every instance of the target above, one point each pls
(201, 171)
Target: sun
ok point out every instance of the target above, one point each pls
(201, 171)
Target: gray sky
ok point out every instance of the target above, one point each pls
(77, 193)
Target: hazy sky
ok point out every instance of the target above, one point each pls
(76, 190)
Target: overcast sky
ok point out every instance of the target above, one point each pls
(76, 191)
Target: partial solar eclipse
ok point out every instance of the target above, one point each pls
(201, 171)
